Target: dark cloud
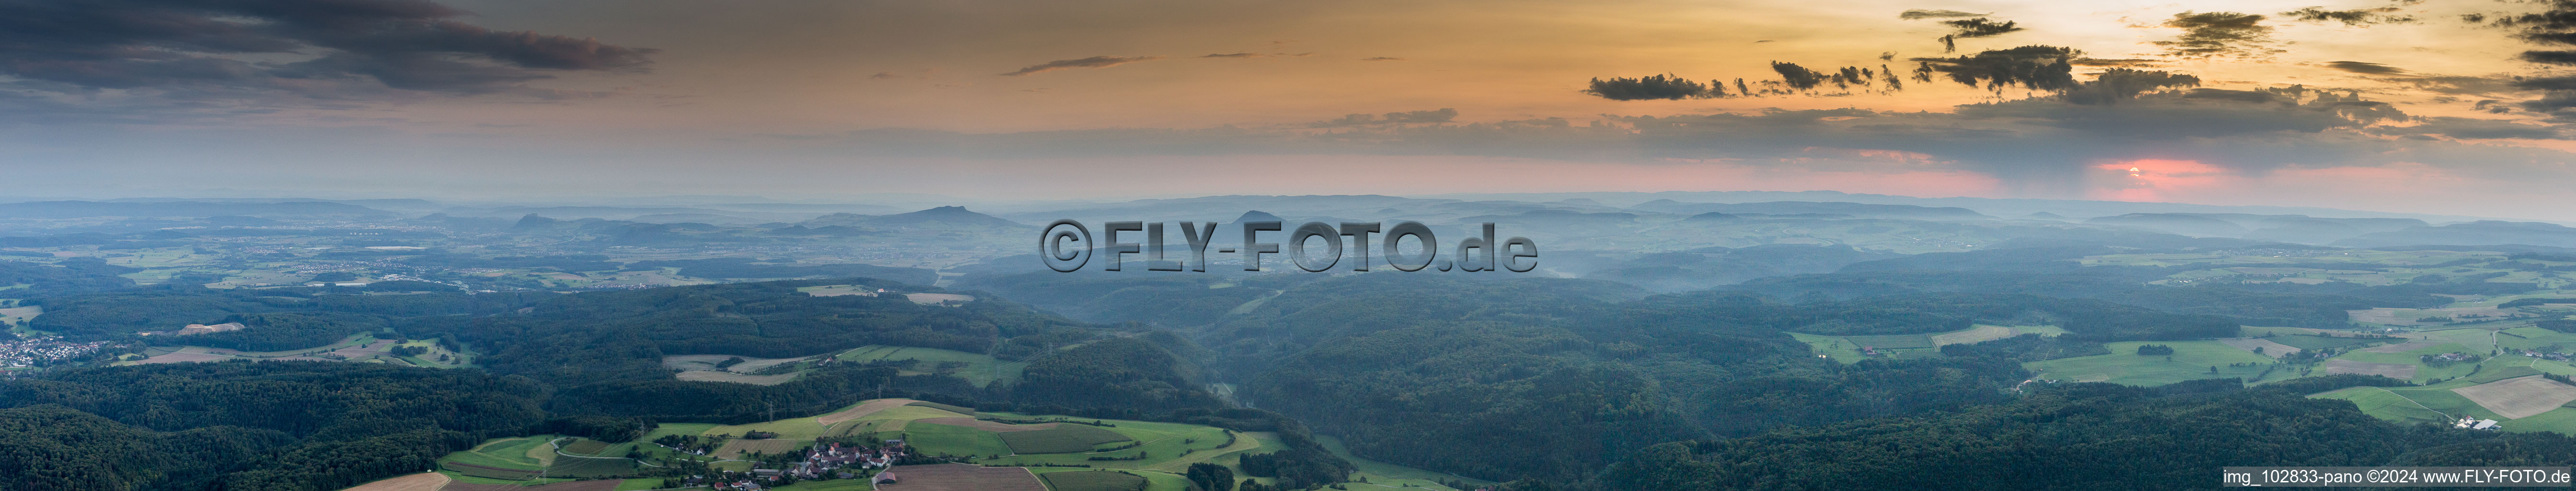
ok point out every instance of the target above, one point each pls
(2550, 57)
(883, 75)
(2209, 34)
(1092, 62)
(1798, 77)
(200, 48)
(2546, 83)
(2034, 67)
(2120, 84)
(1980, 27)
(2364, 67)
(1435, 116)
(2354, 17)
(1650, 87)
(1918, 14)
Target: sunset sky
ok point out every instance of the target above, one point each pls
(2433, 107)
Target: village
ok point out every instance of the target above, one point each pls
(827, 460)
(39, 351)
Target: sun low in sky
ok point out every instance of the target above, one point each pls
(2433, 106)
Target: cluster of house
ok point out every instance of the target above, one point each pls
(26, 352)
(2476, 424)
(2450, 356)
(2545, 356)
(832, 460)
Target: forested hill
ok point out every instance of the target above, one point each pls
(2078, 437)
(284, 426)
(1554, 379)
(616, 335)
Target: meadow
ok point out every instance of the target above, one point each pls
(2192, 360)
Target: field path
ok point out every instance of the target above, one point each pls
(2415, 402)
(426, 481)
(862, 410)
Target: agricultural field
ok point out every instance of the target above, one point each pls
(426, 481)
(356, 349)
(2408, 364)
(1849, 349)
(1166, 449)
(15, 318)
(1093, 481)
(961, 477)
(2519, 397)
(2515, 392)
(978, 369)
(751, 370)
(831, 485)
(2192, 360)
(521, 460)
(2312, 342)
(500, 460)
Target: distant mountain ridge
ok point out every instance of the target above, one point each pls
(87, 209)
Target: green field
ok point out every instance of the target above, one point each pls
(1155, 481)
(2432, 403)
(979, 369)
(590, 467)
(521, 454)
(1063, 438)
(2416, 357)
(2309, 342)
(2192, 360)
(585, 447)
(2533, 338)
(2472, 340)
(2561, 420)
(1093, 481)
(939, 439)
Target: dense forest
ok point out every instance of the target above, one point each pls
(250, 426)
(2078, 437)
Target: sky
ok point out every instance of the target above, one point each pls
(2449, 107)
